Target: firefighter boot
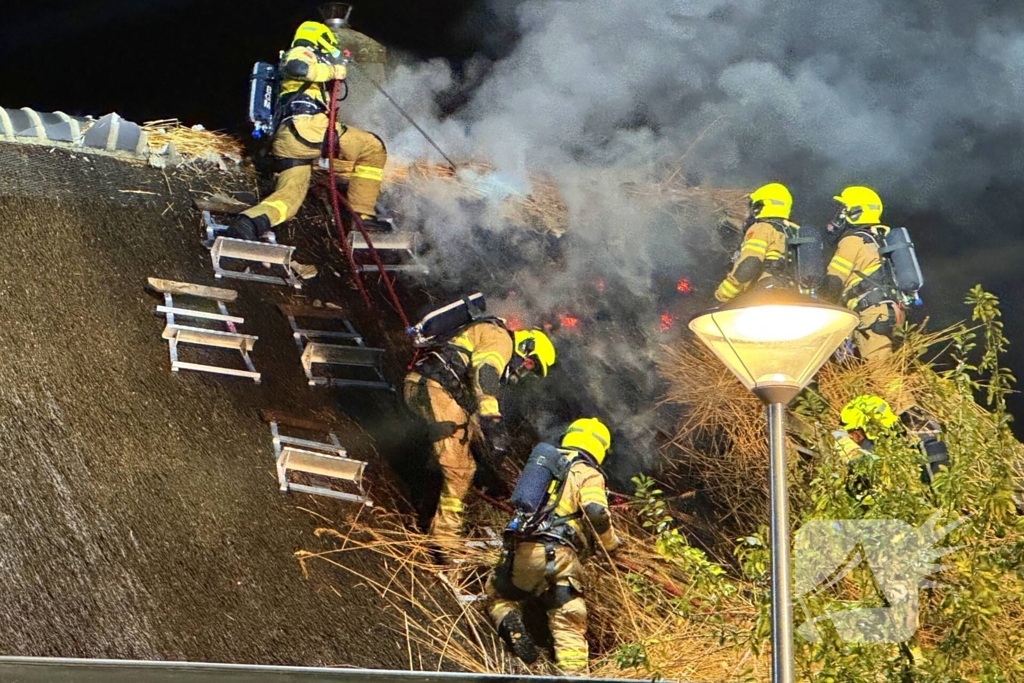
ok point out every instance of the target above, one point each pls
(513, 632)
(378, 223)
(247, 228)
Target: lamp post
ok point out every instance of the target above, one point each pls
(774, 341)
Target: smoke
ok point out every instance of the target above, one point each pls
(919, 100)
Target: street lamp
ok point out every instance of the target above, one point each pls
(775, 341)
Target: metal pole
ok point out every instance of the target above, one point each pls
(782, 603)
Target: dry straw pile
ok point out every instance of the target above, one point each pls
(633, 598)
(168, 137)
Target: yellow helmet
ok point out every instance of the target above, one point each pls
(318, 35)
(771, 201)
(866, 412)
(588, 434)
(861, 205)
(536, 349)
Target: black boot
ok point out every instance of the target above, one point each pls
(246, 228)
(378, 223)
(513, 632)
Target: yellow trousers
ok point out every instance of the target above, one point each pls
(427, 399)
(557, 579)
(361, 162)
(870, 344)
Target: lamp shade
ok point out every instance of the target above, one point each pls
(774, 340)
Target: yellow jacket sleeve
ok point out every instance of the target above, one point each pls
(490, 349)
(593, 502)
(302, 64)
(762, 242)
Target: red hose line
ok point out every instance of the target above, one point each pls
(335, 199)
(331, 142)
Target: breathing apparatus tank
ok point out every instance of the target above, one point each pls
(545, 471)
(447, 320)
(928, 432)
(898, 249)
(263, 86)
(807, 259)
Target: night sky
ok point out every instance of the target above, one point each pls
(190, 59)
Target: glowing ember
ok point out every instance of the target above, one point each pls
(683, 286)
(568, 321)
(666, 322)
(514, 324)
(600, 285)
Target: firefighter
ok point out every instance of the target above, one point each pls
(867, 416)
(761, 260)
(544, 558)
(854, 277)
(454, 386)
(300, 139)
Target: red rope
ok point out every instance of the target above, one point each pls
(336, 198)
(331, 142)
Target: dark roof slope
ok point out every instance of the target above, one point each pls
(140, 516)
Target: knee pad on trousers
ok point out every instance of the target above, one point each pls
(559, 596)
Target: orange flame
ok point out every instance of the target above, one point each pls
(514, 324)
(666, 322)
(568, 321)
(683, 285)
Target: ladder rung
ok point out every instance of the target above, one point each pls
(333, 354)
(297, 460)
(264, 252)
(336, 451)
(203, 337)
(180, 365)
(302, 311)
(189, 313)
(387, 242)
(396, 267)
(320, 491)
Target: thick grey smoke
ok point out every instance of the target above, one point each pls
(922, 100)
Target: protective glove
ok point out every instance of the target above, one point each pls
(496, 434)
(340, 72)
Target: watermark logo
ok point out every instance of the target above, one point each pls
(891, 556)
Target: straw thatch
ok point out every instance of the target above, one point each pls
(635, 598)
(171, 138)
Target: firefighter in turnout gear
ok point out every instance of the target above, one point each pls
(867, 416)
(854, 276)
(545, 549)
(762, 257)
(300, 138)
(453, 385)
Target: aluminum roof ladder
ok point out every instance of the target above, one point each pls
(269, 255)
(211, 337)
(347, 364)
(325, 460)
(396, 250)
